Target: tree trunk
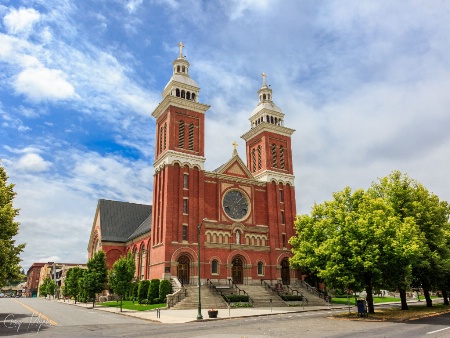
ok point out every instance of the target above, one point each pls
(403, 299)
(445, 295)
(426, 293)
(121, 297)
(369, 299)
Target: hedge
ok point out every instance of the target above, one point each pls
(237, 298)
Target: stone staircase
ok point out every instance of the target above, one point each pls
(313, 299)
(210, 299)
(261, 296)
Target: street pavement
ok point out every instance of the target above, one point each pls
(170, 316)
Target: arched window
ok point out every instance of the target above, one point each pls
(185, 181)
(142, 261)
(281, 157)
(274, 155)
(160, 139)
(188, 95)
(183, 94)
(184, 69)
(215, 267)
(165, 135)
(191, 137)
(259, 158)
(254, 159)
(260, 268)
(264, 96)
(193, 97)
(178, 69)
(177, 92)
(181, 134)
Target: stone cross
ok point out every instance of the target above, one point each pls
(181, 48)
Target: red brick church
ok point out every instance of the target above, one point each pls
(242, 213)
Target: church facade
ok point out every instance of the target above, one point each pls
(240, 215)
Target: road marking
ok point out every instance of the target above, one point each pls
(445, 328)
(37, 313)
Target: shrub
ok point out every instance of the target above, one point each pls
(292, 298)
(165, 288)
(236, 298)
(143, 290)
(153, 291)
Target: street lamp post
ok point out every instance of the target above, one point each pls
(199, 315)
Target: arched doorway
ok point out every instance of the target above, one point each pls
(285, 278)
(237, 270)
(183, 269)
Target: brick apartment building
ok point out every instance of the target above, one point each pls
(243, 212)
(39, 271)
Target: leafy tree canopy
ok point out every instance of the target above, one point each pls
(9, 251)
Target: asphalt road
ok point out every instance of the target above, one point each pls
(43, 318)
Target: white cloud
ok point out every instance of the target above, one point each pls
(41, 84)
(49, 259)
(239, 7)
(20, 22)
(133, 5)
(32, 162)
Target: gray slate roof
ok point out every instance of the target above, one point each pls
(122, 221)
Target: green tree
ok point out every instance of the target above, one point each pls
(165, 288)
(153, 291)
(143, 291)
(71, 283)
(47, 288)
(121, 276)
(9, 252)
(348, 242)
(96, 276)
(410, 199)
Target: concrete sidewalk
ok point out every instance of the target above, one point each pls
(169, 316)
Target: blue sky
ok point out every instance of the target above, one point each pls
(365, 85)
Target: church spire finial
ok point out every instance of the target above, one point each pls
(181, 49)
(234, 146)
(264, 78)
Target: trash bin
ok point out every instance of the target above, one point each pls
(362, 307)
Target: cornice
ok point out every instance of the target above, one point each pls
(268, 176)
(247, 229)
(231, 246)
(265, 126)
(266, 111)
(104, 243)
(170, 157)
(235, 179)
(170, 100)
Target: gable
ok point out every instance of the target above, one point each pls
(235, 167)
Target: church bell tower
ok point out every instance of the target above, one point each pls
(268, 142)
(179, 166)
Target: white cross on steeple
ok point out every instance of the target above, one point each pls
(181, 48)
(264, 78)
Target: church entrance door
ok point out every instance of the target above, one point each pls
(237, 271)
(183, 270)
(285, 278)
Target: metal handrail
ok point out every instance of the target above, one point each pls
(177, 296)
(250, 300)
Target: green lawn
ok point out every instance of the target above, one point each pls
(375, 300)
(395, 314)
(128, 304)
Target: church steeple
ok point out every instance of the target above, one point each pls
(268, 141)
(266, 110)
(180, 119)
